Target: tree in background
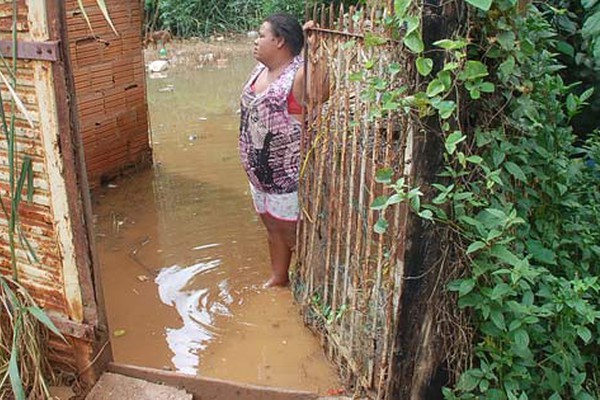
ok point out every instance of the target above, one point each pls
(186, 18)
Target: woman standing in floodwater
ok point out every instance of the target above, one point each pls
(270, 132)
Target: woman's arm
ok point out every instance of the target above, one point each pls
(317, 76)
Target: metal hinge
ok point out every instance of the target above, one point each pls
(44, 51)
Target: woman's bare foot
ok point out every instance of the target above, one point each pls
(275, 281)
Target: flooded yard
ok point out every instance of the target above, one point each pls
(184, 256)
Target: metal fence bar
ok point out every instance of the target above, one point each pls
(349, 277)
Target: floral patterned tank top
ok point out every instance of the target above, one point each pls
(269, 141)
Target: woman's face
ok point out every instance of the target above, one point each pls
(267, 44)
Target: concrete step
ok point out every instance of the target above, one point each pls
(117, 387)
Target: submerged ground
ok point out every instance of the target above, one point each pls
(183, 254)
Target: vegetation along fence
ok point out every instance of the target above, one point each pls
(350, 273)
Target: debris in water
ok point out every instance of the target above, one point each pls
(119, 332)
(336, 392)
(222, 63)
(158, 66)
(168, 88)
(206, 246)
(157, 75)
(202, 119)
(143, 278)
(193, 137)
(112, 185)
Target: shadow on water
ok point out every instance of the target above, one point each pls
(183, 254)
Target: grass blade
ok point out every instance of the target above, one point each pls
(17, 100)
(25, 172)
(44, 319)
(85, 16)
(25, 241)
(102, 6)
(13, 366)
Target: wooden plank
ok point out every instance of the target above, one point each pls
(209, 388)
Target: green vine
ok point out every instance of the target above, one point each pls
(520, 190)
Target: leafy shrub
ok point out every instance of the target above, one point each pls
(521, 193)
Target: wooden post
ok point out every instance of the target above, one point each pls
(92, 351)
(417, 371)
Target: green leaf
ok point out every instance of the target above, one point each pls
(541, 253)
(475, 160)
(515, 171)
(498, 319)
(507, 68)
(499, 291)
(507, 40)
(584, 333)
(379, 203)
(445, 78)
(505, 255)
(424, 65)
(435, 87)
(348, 45)
(381, 226)
(473, 70)
(475, 93)
(586, 95)
(43, 318)
(591, 27)
(453, 140)
(396, 198)
(565, 48)
(414, 42)
(13, 364)
(426, 214)
(401, 7)
(451, 66)
(487, 87)
(445, 108)
(466, 286)
(356, 76)
(473, 247)
(468, 381)
(394, 69)
(372, 40)
(384, 175)
(451, 44)
(481, 4)
(571, 104)
(521, 338)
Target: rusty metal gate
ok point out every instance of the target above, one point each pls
(349, 279)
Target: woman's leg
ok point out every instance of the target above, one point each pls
(282, 239)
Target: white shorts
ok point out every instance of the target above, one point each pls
(281, 206)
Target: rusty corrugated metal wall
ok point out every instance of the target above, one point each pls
(110, 85)
(56, 223)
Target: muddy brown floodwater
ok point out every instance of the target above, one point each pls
(183, 255)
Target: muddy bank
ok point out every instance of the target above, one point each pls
(197, 53)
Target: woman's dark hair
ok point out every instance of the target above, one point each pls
(287, 27)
